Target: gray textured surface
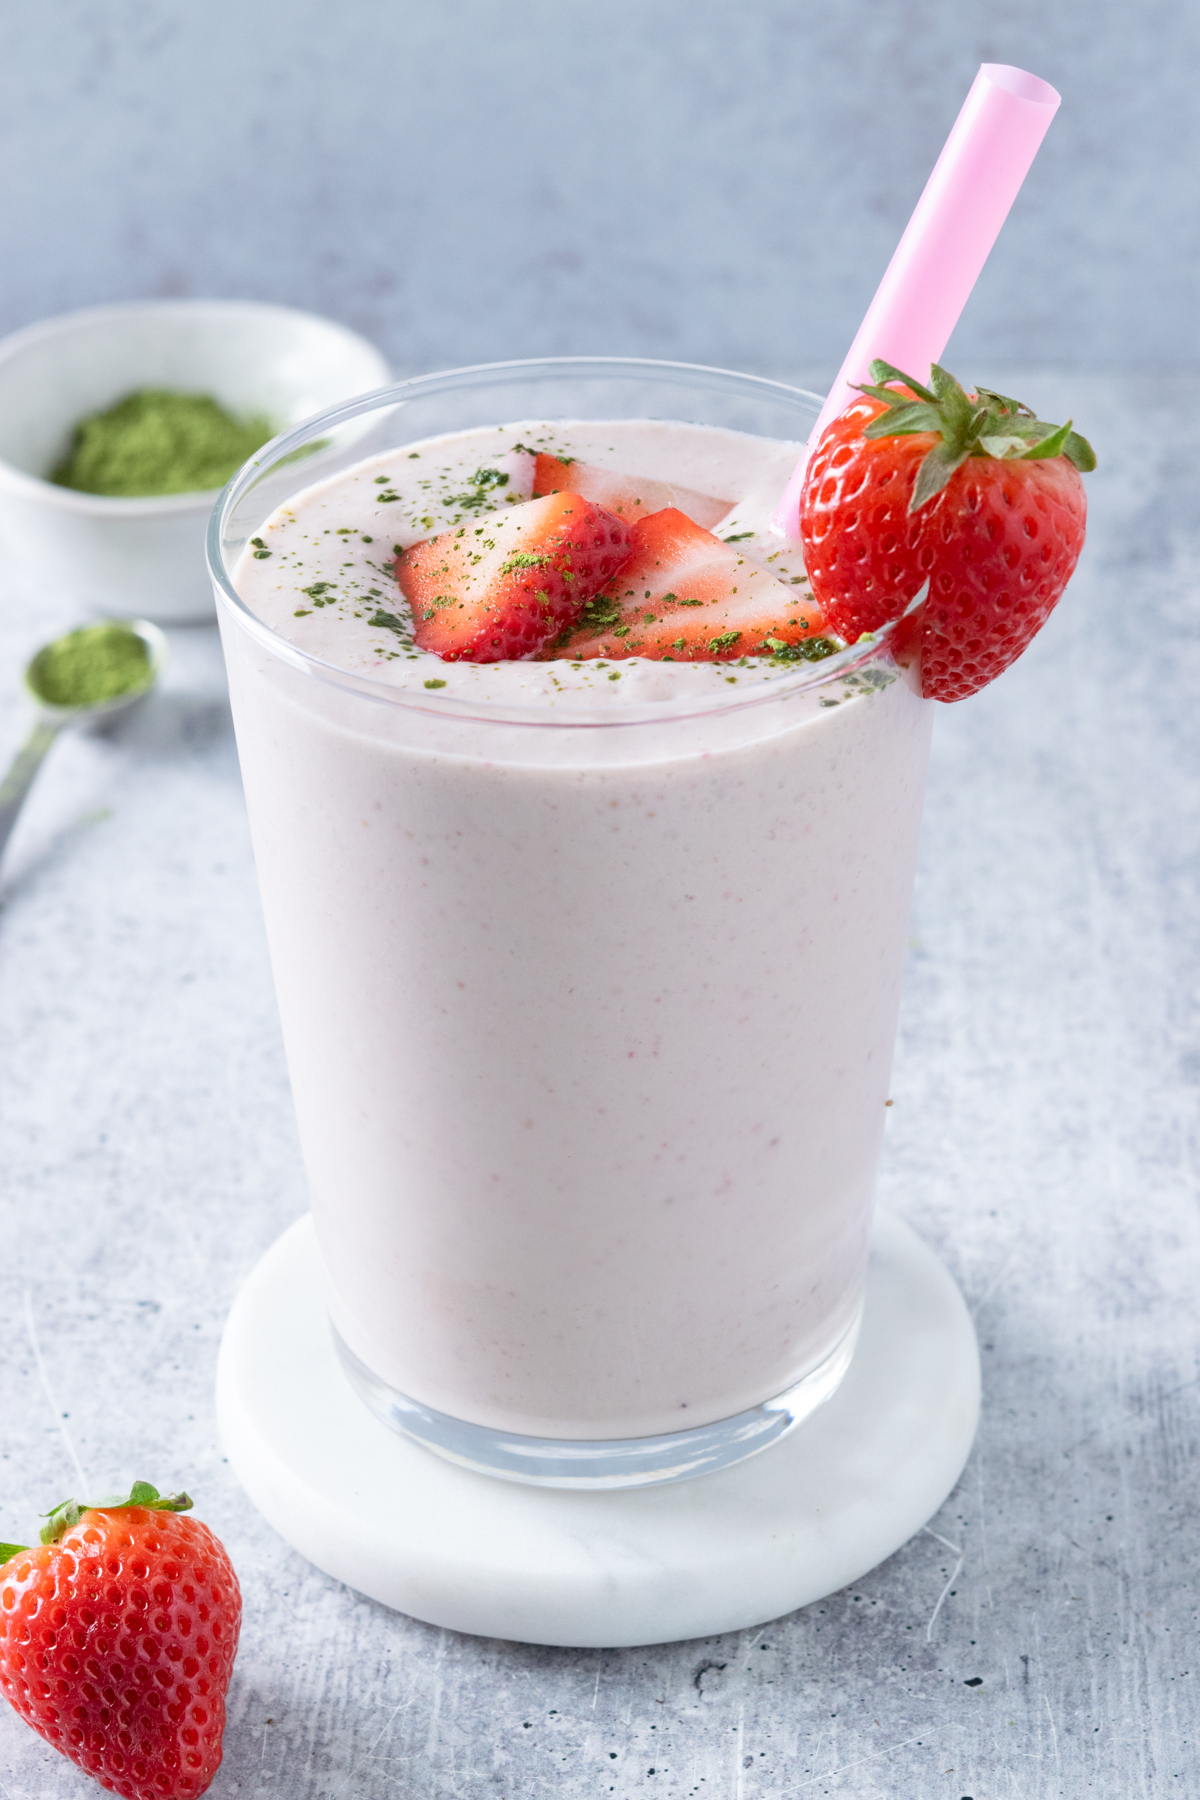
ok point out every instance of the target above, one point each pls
(1044, 1138)
(697, 179)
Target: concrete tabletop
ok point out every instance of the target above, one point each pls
(1037, 1640)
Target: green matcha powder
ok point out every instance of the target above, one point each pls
(158, 442)
(98, 662)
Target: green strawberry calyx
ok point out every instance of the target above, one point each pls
(69, 1512)
(980, 424)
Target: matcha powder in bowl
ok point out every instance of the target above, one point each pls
(156, 441)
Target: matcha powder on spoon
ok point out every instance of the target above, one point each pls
(158, 442)
(95, 663)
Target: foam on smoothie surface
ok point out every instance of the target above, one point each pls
(320, 573)
(156, 441)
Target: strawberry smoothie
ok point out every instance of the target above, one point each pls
(588, 970)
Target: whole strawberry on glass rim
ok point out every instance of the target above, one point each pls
(964, 501)
(117, 1638)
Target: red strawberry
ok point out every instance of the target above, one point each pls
(630, 497)
(496, 591)
(117, 1639)
(684, 596)
(968, 492)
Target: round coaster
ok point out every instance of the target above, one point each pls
(600, 1570)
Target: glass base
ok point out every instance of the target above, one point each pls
(597, 1463)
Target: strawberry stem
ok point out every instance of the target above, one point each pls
(10, 1550)
(981, 424)
(69, 1512)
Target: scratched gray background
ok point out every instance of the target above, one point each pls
(715, 180)
(1043, 1138)
(485, 181)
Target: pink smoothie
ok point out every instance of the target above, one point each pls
(588, 974)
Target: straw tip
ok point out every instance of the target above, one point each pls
(1021, 84)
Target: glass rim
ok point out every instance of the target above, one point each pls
(803, 678)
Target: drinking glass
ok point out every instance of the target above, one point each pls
(589, 1008)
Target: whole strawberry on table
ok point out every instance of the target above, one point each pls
(965, 503)
(117, 1638)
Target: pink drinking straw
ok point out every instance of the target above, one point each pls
(946, 243)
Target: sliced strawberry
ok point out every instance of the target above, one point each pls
(496, 591)
(630, 497)
(683, 596)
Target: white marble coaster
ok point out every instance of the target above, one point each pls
(642, 1566)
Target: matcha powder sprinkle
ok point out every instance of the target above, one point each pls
(98, 662)
(158, 442)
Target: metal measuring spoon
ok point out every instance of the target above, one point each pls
(52, 719)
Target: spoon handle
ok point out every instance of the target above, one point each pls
(21, 771)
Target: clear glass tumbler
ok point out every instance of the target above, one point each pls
(589, 1015)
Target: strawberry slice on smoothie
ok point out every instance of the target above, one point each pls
(682, 595)
(498, 590)
(629, 497)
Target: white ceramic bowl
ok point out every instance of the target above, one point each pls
(146, 556)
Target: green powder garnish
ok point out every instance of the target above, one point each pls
(96, 663)
(158, 442)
